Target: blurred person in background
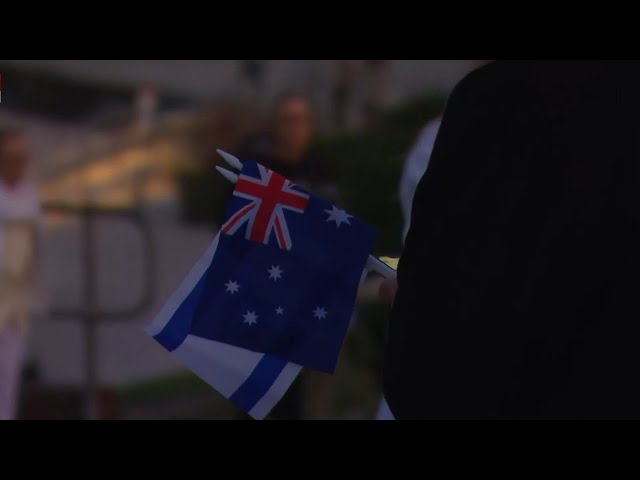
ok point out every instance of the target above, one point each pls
(286, 146)
(414, 167)
(286, 149)
(517, 288)
(19, 218)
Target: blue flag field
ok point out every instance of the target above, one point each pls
(273, 293)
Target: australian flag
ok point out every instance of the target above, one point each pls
(274, 292)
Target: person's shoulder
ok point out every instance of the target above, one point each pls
(505, 70)
(431, 128)
(501, 86)
(25, 189)
(498, 76)
(28, 191)
(256, 145)
(317, 167)
(528, 78)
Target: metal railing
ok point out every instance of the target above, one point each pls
(90, 313)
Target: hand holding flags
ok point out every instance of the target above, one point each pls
(275, 291)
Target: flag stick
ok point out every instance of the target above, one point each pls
(373, 264)
(230, 159)
(232, 177)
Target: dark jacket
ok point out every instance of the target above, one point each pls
(519, 285)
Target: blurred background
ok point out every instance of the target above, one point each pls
(121, 153)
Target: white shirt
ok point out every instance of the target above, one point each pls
(414, 168)
(19, 203)
(17, 250)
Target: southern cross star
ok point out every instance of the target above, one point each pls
(250, 317)
(232, 287)
(275, 272)
(320, 313)
(279, 311)
(338, 216)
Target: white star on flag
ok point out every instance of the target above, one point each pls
(250, 317)
(338, 216)
(320, 313)
(279, 311)
(232, 287)
(275, 272)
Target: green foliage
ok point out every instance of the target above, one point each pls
(163, 388)
(367, 165)
(205, 194)
(417, 111)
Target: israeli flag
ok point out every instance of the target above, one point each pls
(255, 381)
(274, 292)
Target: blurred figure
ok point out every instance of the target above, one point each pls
(414, 167)
(19, 214)
(342, 93)
(287, 150)
(286, 147)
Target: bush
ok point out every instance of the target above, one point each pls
(368, 165)
(204, 195)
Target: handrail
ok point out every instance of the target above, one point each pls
(90, 314)
(135, 216)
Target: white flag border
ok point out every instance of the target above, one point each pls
(283, 380)
(182, 292)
